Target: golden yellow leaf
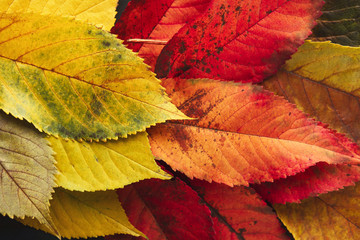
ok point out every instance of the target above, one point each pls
(74, 80)
(98, 12)
(104, 166)
(27, 170)
(333, 215)
(323, 80)
(84, 214)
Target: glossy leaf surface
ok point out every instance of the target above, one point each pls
(71, 79)
(166, 210)
(155, 20)
(322, 79)
(239, 40)
(104, 166)
(27, 169)
(78, 214)
(330, 216)
(242, 135)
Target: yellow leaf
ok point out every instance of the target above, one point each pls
(27, 170)
(323, 80)
(333, 215)
(103, 166)
(98, 12)
(84, 214)
(74, 80)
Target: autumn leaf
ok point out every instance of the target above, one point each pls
(74, 80)
(321, 79)
(165, 210)
(139, 21)
(98, 12)
(339, 23)
(242, 135)
(239, 40)
(318, 179)
(78, 214)
(27, 170)
(104, 166)
(239, 213)
(333, 215)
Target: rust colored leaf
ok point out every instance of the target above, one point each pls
(165, 210)
(239, 40)
(239, 213)
(140, 21)
(333, 215)
(242, 135)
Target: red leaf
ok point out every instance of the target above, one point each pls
(156, 20)
(240, 40)
(239, 213)
(316, 180)
(166, 210)
(242, 135)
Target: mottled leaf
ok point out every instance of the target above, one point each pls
(339, 23)
(239, 213)
(316, 180)
(99, 12)
(322, 79)
(74, 80)
(242, 135)
(165, 210)
(139, 21)
(239, 40)
(83, 214)
(103, 166)
(330, 216)
(27, 170)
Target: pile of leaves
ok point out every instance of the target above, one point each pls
(251, 118)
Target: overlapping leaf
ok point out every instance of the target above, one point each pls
(78, 214)
(27, 170)
(101, 166)
(242, 135)
(140, 21)
(322, 79)
(76, 81)
(166, 210)
(330, 216)
(318, 179)
(239, 213)
(239, 40)
(98, 12)
(339, 23)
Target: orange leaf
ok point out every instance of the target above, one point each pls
(242, 135)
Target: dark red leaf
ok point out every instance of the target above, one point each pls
(240, 40)
(155, 20)
(239, 213)
(166, 210)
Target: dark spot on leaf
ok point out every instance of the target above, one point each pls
(106, 43)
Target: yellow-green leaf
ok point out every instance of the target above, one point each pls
(98, 12)
(84, 214)
(74, 80)
(27, 170)
(333, 215)
(103, 166)
(323, 80)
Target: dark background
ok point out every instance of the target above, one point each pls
(11, 229)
